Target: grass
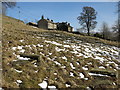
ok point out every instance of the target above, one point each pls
(15, 30)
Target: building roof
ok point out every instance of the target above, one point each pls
(49, 21)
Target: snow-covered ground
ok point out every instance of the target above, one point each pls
(104, 54)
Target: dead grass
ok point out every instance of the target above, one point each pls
(14, 31)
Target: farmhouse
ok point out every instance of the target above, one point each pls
(64, 26)
(47, 24)
(50, 25)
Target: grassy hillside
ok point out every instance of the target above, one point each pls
(36, 58)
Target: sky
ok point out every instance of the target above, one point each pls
(64, 12)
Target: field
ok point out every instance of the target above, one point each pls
(36, 58)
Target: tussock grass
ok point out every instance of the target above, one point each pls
(17, 34)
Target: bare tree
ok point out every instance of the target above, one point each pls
(119, 21)
(6, 4)
(115, 32)
(87, 19)
(105, 31)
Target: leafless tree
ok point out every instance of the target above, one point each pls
(119, 21)
(105, 31)
(7, 4)
(87, 19)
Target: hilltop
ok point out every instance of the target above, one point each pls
(37, 58)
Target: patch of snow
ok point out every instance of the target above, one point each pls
(84, 68)
(34, 45)
(52, 87)
(22, 58)
(114, 83)
(71, 74)
(99, 58)
(97, 74)
(50, 53)
(79, 54)
(89, 63)
(21, 40)
(88, 88)
(43, 84)
(63, 66)
(102, 67)
(87, 50)
(72, 66)
(19, 81)
(36, 71)
(39, 45)
(85, 78)
(64, 58)
(53, 42)
(81, 75)
(19, 47)
(14, 60)
(1, 88)
(22, 51)
(67, 85)
(85, 56)
(75, 52)
(18, 71)
(77, 63)
(35, 65)
(55, 73)
(14, 48)
(58, 49)
(57, 63)
(68, 46)
(33, 27)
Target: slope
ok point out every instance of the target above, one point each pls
(36, 58)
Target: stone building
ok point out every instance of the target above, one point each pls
(47, 24)
(32, 24)
(64, 26)
(50, 25)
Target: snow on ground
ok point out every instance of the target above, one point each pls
(81, 75)
(101, 67)
(1, 88)
(22, 58)
(43, 84)
(58, 49)
(81, 49)
(88, 88)
(55, 73)
(52, 88)
(35, 64)
(67, 85)
(71, 74)
(19, 81)
(57, 63)
(97, 74)
(18, 71)
(84, 68)
(53, 42)
(21, 40)
(72, 66)
(64, 58)
(63, 66)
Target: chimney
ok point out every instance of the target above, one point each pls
(68, 24)
(42, 17)
(51, 20)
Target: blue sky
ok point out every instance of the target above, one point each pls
(64, 11)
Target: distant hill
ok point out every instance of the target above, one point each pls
(37, 58)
